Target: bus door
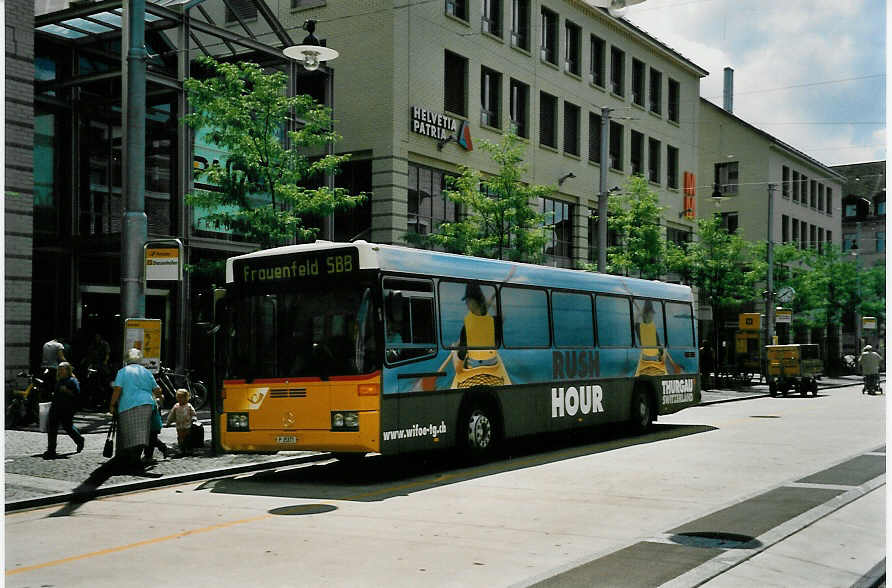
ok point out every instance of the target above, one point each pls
(413, 406)
(618, 360)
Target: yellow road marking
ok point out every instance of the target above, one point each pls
(134, 545)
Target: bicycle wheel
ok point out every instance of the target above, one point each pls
(199, 395)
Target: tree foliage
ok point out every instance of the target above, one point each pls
(498, 220)
(634, 215)
(264, 191)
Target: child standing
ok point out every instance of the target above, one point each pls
(183, 413)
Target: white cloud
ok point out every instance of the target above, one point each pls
(790, 60)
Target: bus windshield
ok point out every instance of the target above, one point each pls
(315, 332)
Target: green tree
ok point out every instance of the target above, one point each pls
(829, 286)
(721, 265)
(634, 215)
(498, 220)
(263, 186)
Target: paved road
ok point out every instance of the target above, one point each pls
(31, 480)
(798, 482)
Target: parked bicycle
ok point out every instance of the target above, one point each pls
(22, 402)
(169, 381)
(96, 389)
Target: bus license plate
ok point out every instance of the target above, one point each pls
(286, 439)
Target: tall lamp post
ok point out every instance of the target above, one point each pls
(311, 53)
(769, 314)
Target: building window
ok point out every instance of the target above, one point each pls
(803, 189)
(520, 101)
(636, 153)
(879, 202)
(237, 10)
(680, 237)
(490, 98)
(594, 137)
(491, 20)
(671, 167)
(813, 194)
(617, 71)
(785, 228)
(851, 210)
(558, 243)
(455, 82)
(821, 197)
(795, 232)
(547, 120)
(829, 202)
(674, 99)
(653, 160)
(726, 177)
(598, 47)
(785, 182)
(803, 234)
(795, 186)
(520, 24)
(571, 128)
(830, 236)
(812, 236)
(656, 91)
(820, 239)
(730, 222)
(549, 48)
(457, 8)
(616, 146)
(428, 204)
(574, 48)
(881, 242)
(638, 82)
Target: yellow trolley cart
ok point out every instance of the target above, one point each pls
(794, 367)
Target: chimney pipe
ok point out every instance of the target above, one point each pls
(728, 103)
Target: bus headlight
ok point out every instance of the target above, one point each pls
(237, 421)
(345, 420)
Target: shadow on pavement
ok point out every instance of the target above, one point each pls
(90, 488)
(377, 478)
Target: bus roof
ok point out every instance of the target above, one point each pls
(408, 260)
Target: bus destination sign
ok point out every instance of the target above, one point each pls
(287, 268)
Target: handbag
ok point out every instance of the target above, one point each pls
(196, 436)
(109, 449)
(156, 419)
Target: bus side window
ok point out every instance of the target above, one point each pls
(649, 331)
(614, 321)
(572, 320)
(680, 324)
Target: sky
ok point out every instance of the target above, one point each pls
(812, 73)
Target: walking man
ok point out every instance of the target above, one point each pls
(62, 411)
(870, 368)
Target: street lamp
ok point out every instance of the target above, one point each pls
(311, 52)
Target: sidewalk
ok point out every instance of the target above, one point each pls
(32, 481)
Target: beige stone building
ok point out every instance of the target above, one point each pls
(743, 161)
(417, 85)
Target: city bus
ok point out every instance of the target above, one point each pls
(358, 348)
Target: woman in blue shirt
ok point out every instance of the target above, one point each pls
(133, 399)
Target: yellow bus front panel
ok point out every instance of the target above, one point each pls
(341, 414)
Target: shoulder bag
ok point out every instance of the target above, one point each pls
(109, 449)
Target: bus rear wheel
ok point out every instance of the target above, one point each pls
(642, 412)
(479, 433)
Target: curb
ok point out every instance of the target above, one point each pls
(170, 480)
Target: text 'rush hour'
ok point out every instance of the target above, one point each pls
(572, 401)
